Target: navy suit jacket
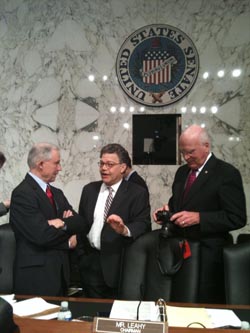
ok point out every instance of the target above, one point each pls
(41, 250)
(131, 203)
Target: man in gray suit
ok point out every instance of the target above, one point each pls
(108, 232)
(44, 224)
(214, 205)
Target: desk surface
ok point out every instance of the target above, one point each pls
(86, 306)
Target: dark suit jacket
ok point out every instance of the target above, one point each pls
(41, 250)
(131, 203)
(218, 195)
(136, 178)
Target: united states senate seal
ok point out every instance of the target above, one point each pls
(157, 65)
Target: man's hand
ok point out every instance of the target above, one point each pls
(57, 223)
(67, 213)
(165, 207)
(6, 203)
(72, 242)
(185, 219)
(117, 224)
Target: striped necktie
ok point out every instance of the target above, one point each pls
(108, 203)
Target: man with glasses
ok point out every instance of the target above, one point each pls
(115, 212)
(207, 202)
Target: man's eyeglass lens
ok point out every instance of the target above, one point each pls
(107, 165)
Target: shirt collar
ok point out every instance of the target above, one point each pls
(114, 186)
(39, 181)
(208, 157)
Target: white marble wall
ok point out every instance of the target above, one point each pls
(49, 48)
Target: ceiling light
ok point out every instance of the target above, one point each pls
(205, 75)
(91, 78)
(236, 72)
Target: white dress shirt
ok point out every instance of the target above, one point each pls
(94, 235)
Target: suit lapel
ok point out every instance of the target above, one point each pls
(39, 192)
(202, 178)
(119, 196)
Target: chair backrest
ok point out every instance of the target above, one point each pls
(7, 255)
(7, 324)
(142, 278)
(237, 273)
(242, 238)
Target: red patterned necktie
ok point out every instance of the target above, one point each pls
(108, 203)
(50, 196)
(190, 181)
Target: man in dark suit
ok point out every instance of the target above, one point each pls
(107, 232)
(132, 175)
(214, 205)
(44, 227)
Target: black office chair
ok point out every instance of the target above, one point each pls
(237, 273)
(7, 324)
(242, 238)
(153, 268)
(7, 255)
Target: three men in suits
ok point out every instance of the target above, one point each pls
(104, 239)
(44, 227)
(214, 205)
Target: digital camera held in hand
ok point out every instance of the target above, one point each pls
(164, 217)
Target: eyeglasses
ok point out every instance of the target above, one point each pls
(108, 165)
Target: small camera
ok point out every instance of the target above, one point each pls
(164, 216)
(166, 225)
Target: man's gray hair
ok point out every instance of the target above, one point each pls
(40, 152)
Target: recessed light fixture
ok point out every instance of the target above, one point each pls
(122, 109)
(236, 72)
(205, 75)
(221, 73)
(202, 109)
(113, 109)
(126, 125)
(91, 78)
(214, 109)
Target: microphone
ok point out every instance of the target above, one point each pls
(162, 309)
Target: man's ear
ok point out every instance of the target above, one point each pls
(123, 168)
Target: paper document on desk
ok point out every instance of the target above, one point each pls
(35, 307)
(224, 318)
(10, 298)
(177, 316)
(134, 310)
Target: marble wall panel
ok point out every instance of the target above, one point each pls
(48, 49)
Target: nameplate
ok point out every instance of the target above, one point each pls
(108, 325)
